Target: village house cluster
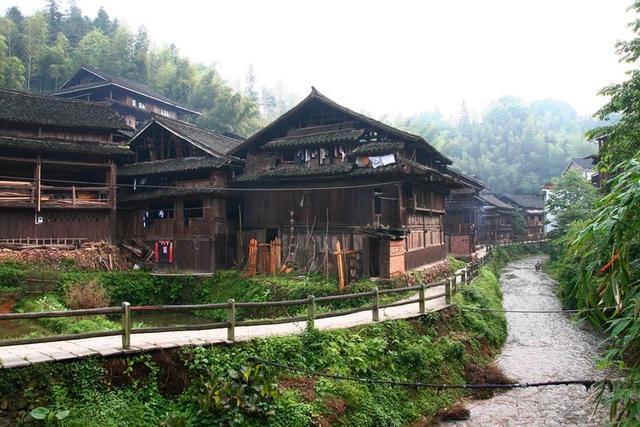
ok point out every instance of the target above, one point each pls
(105, 158)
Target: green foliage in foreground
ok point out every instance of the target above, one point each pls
(598, 264)
(435, 348)
(64, 325)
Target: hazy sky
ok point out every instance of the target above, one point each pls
(396, 57)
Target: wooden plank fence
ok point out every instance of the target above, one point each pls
(264, 258)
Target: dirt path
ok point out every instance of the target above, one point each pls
(540, 347)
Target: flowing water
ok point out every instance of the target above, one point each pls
(540, 347)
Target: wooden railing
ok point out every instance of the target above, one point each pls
(450, 284)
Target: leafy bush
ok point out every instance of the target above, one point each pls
(64, 325)
(12, 274)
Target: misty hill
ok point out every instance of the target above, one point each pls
(513, 146)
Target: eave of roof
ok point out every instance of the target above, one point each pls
(179, 164)
(103, 149)
(167, 193)
(377, 148)
(314, 139)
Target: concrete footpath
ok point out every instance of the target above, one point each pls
(28, 354)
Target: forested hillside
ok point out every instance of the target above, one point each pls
(38, 52)
(513, 146)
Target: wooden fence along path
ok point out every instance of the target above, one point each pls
(27, 351)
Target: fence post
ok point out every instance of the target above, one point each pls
(447, 292)
(455, 283)
(421, 293)
(311, 311)
(126, 326)
(376, 305)
(231, 320)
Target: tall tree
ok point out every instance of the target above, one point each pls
(54, 19)
(74, 24)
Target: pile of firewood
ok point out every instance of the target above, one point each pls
(95, 256)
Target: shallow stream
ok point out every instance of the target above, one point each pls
(540, 347)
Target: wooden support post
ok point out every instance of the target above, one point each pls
(231, 320)
(38, 177)
(126, 326)
(252, 263)
(340, 266)
(454, 280)
(447, 291)
(375, 313)
(421, 296)
(311, 312)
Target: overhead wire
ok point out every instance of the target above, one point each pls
(230, 189)
(466, 307)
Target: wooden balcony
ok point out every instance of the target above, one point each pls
(25, 194)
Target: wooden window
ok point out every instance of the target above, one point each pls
(377, 205)
(193, 208)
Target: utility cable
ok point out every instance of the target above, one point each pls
(466, 307)
(586, 383)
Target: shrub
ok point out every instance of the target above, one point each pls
(86, 295)
(12, 274)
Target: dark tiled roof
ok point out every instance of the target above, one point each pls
(27, 108)
(586, 163)
(105, 149)
(180, 164)
(314, 139)
(167, 193)
(317, 96)
(208, 140)
(376, 148)
(494, 201)
(120, 81)
(527, 201)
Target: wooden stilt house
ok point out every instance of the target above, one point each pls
(496, 220)
(173, 199)
(463, 213)
(329, 174)
(58, 169)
